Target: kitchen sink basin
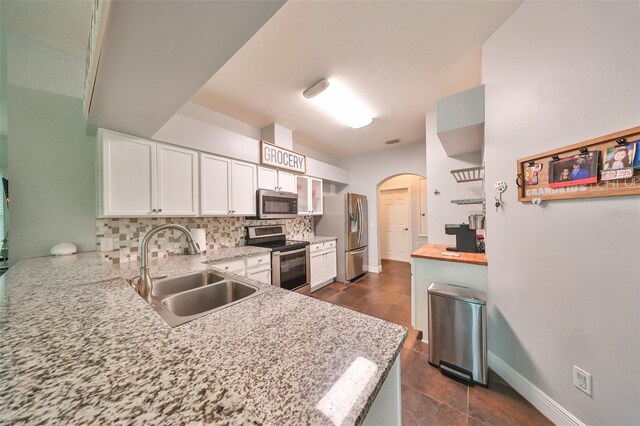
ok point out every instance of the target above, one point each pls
(169, 286)
(186, 297)
(208, 298)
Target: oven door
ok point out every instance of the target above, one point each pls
(277, 205)
(291, 268)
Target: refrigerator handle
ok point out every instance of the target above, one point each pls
(360, 219)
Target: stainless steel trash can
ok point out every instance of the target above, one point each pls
(458, 332)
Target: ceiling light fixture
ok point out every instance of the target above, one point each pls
(336, 99)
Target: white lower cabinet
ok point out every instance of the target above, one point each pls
(323, 264)
(260, 275)
(256, 267)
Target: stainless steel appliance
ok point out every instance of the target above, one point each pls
(345, 217)
(276, 204)
(290, 259)
(458, 332)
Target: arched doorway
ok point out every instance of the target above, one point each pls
(402, 216)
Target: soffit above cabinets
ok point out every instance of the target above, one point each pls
(154, 56)
(460, 122)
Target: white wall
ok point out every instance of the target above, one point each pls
(200, 128)
(564, 279)
(367, 171)
(405, 181)
(51, 159)
(439, 166)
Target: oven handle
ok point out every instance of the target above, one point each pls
(284, 253)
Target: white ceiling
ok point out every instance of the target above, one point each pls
(60, 24)
(399, 57)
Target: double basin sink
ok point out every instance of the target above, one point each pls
(186, 297)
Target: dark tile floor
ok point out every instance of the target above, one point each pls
(428, 397)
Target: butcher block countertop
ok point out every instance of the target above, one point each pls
(434, 251)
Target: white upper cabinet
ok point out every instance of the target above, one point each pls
(276, 180)
(228, 187)
(287, 181)
(128, 176)
(215, 173)
(309, 195)
(177, 181)
(243, 188)
(144, 178)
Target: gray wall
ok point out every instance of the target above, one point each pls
(439, 166)
(564, 278)
(51, 159)
(367, 171)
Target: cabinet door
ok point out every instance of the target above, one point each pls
(263, 276)
(330, 266)
(243, 189)
(302, 188)
(177, 181)
(316, 196)
(215, 173)
(267, 178)
(287, 182)
(317, 269)
(128, 176)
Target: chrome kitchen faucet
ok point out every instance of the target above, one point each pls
(144, 281)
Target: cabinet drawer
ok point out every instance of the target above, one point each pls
(316, 247)
(329, 244)
(236, 266)
(260, 260)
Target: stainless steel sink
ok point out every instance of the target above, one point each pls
(184, 298)
(207, 299)
(169, 286)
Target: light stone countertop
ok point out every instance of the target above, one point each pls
(79, 346)
(315, 239)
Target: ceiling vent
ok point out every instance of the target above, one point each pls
(392, 142)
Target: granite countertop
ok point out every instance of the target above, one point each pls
(88, 349)
(176, 265)
(314, 239)
(434, 251)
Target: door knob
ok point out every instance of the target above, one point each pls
(406, 229)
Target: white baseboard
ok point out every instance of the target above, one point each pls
(543, 402)
(374, 269)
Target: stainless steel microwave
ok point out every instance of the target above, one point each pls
(276, 204)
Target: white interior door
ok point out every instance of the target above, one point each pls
(396, 223)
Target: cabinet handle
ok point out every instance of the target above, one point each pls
(159, 210)
(153, 210)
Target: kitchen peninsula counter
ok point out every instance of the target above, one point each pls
(434, 251)
(79, 346)
(430, 265)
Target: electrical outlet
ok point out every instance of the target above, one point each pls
(106, 244)
(582, 380)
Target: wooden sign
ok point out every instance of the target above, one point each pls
(536, 178)
(275, 156)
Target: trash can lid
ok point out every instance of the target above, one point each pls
(458, 292)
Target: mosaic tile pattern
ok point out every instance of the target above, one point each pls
(222, 232)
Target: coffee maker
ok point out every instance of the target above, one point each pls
(465, 237)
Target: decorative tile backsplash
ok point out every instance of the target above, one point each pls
(127, 234)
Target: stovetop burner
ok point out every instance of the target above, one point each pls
(273, 237)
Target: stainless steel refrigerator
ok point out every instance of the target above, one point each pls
(345, 217)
